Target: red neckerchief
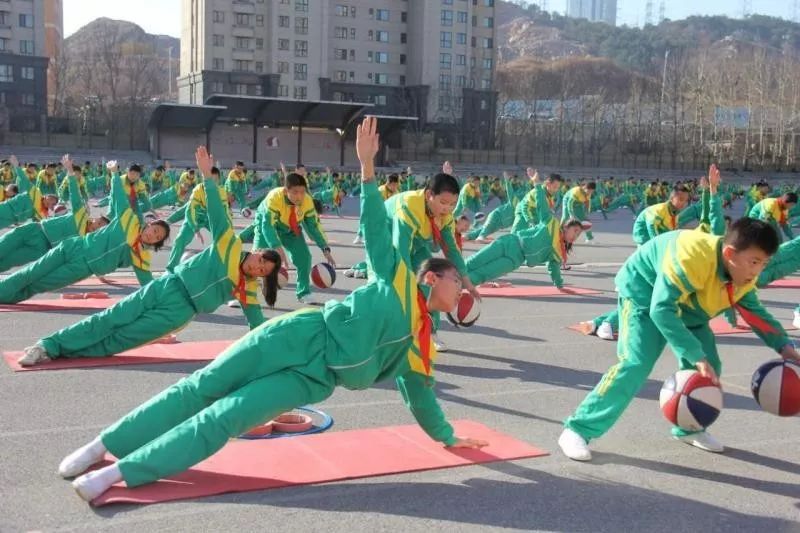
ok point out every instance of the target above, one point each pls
(425, 332)
(459, 241)
(43, 211)
(563, 247)
(672, 217)
(137, 247)
(782, 206)
(437, 234)
(239, 291)
(293, 225)
(550, 200)
(132, 195)
(754, 321)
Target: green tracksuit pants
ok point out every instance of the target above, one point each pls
(501, 217)
(164, 198)
(299, 254)
(612, 317)
(238, 191)
(496, 259)
(155, 310)
(22, 245)
(639, 346)
(276, 367)
(58, 268)
(782, 264)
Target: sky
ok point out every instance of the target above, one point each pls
(164, 16)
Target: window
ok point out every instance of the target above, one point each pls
(444, 81)
(242, 43)
(259, 43)
(258, 90)
(28, 99)
(484, 105)
(300, 93)
(371, 35)
(241, 88)
(382, 14)
(474, 41)
(337, 96)
(471, 62)
(488, 3)
(26, 73)
(219, 16)
(447, 2)
(352, 55)
(301, 49)
(461, 60)
(447, 17)
(259, 20)
(242, 19)
(301, 25)
(403, 16)
(462, 17)
(370, 57)
(6, 73)
(5, 18)
(461, 38)
(283, 44)
(402, 80)
(488, 22)
(300, 71)
(285, 2)
(487, 63)
(219, 40)
(380, 99)
(26, 47)
(446, 39)
(340, 53)
(486, 84)
(242, 65)
(474, 21)
(461, 81)
(218, 63)
(25, 21)
(445, 60)
(382, 36)
(217, 87)
(259, 66)
(283, 21)
(402, 59)
(283, 90)
(487, 42)
(444, 102)
(352, 33)
(283, 67)
(4, 44)
(340, 33)
(301, 5)
(340, 75)
(380, 79)
(342, 11)
(403, 38)
(381, 57)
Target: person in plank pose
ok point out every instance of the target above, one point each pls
(775, 211)
(380, 331)
(199, 285)
(124, 242)
(27, 204)
(669, 290)
(31, 241)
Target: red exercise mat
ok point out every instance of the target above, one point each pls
(533, 291)
(110, 281)
(154, 353)
(785, 283)
(718, 325)
(248, 465)
(60, 304)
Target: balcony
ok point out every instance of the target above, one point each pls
(244, 6)
(243, 31)
(243, 53)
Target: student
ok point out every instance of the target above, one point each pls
(29, 203)
(199, 285)
(387, 190)
(31, 241)
(660, 218)
(279, 223)
(576, 205)
(537, 205)
(775, 211)
(236, 185)
(122, 243)
(469, 198)
(378, 332)
(669, 290)
(135, 190)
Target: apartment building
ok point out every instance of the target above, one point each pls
(593, 10)
(432, 59)
(30, 34)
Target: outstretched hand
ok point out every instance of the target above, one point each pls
(447, 168)
(204, 161)
(466, 442)
(67, 162)
(367, 140)
(714, 178)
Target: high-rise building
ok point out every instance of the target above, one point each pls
(594, 10)
(433, 59)
(30, 35)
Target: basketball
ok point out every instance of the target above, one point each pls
(479, 216)
(586, 225)
(247, 212)
(466, 312)
(690, 401)
(323, 275)
(776, 387)
(59, 209)
(283, 277)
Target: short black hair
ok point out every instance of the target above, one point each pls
(13, 188)
(269, 287)
(135, 168)
(592, 186)
(555, 177)
(240, 163)
(318, 206)
(437, 265)
(293, 179)
(214, 171)
(680, 188)
(393, 178)
(160, 168)
(790, 197)
(158, 245)
(442, 182)
(77, 168)
(749, 232)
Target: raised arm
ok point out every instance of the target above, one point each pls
(218, 220)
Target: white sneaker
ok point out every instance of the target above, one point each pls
(589, 241)
(234, 303)
(308, 299)
(360, 274)
(574, 446)
(796, 321)
(605, 331)
(81, 459)
(92, 484)
(358, 240)
(481, 240)
(33, 355)
(438, 344)
(702, 440)
(349, 273)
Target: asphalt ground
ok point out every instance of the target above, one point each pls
(518, 370)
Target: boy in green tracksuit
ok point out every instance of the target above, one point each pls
(27, 204)
(31, 241)
(175, 195)
(469, 197)
(122, 243)
(547, 242)
(199, 285)
(236, 185)
(669, 290)
(63, 189)
(500, 217)
(660, 218)
(381, 331)
(576, 204)
(46, 180)
(279, 223)
(536, 206)
(775, 211)
(135, 189)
